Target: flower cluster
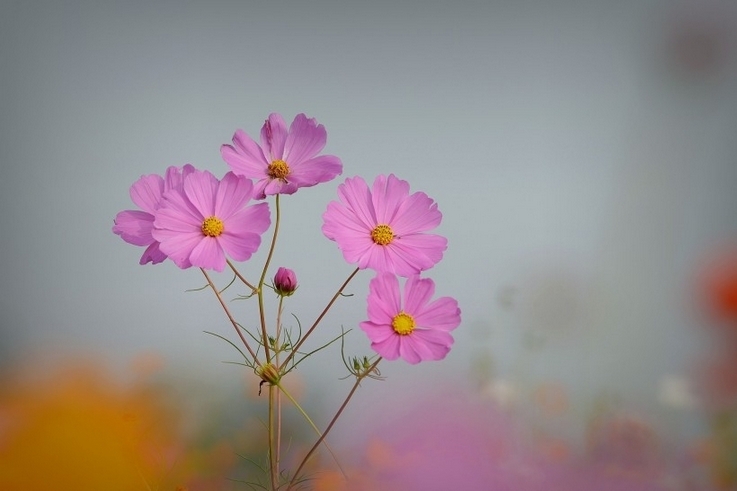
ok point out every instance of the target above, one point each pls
(194, 219)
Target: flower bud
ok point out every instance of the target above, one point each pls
(269, 374)
(285, 282)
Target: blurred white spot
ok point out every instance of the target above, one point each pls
(501, 391)
(675, 392)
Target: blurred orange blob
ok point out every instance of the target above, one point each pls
(75, 427)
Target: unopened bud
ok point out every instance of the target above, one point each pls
(285, 282)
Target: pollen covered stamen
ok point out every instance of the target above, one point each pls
(382, 234)
(212, 226)
(278, 169)
(403, 324)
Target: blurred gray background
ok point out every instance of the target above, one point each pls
(583, 155)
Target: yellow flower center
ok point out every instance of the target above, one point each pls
(278, 169)
(212, 226)
(403, 324)
(382, 234)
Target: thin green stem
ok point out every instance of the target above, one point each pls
(359, 377)
(277, 350)
(230, 317)
(240, 276)
(273, 460)
(260, 289)
(314, 426)
(319, 318)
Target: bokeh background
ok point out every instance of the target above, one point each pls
(583, 155)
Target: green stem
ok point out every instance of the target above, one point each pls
(260, 289)
(240, 276)
(230, 317)
(277, 350)
(360, 377)
(273, 460)
(319, 318)
(314, 426)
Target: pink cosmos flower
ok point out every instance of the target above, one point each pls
(286, 160)
(208, 219)
(384, 228)
(135, 226)
(409, 326)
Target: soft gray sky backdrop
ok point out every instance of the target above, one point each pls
(583, 155)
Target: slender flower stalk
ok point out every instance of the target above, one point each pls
(262, 314)
(230, 317)
(312, 424)
(273, 442)
(359, 378)
(240, 276)
(319, 317)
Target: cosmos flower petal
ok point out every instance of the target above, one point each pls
(274, 137)
(382, 259)
(418, 213)
(233, 192)
(149, 193)
(245, 157)
(418, 252)
(259, 188)
(177, 245)
(176, 213)
(208, 254)
(388, 194)
(277, 186)
(255, 219)
(240, 246)
(425, 344)
(385, 288)
(174, 176)
(134, 227)
(152, 254)
(200, 188)
(146, 192)
(316, 170)
(443, 314)
(417, 293)
(306, 138)
(408, 351)
(340, 224)
(384, 341)
(357, 250)
(356, 196)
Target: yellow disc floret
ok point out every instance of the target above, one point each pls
(382, 234)
(403, 324)
(278, 169)
(212, 226)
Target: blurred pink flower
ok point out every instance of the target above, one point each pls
(455, 440)
(135, 226)
(208, 219)
(285, 282)
(286, 160)
(409, 326)
(384, 228)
